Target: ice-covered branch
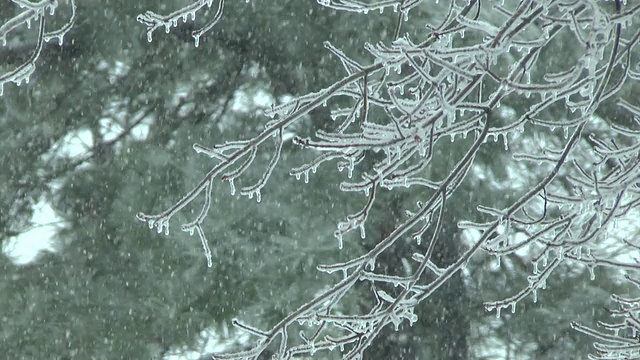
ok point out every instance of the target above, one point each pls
(153, 21)
(617, 340)
(415, 97)
(34, 12)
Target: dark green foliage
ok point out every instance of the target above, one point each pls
(113, 289)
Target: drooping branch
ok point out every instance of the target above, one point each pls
(431, 90)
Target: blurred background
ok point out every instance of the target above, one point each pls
(105, 128)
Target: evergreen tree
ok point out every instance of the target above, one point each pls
(472, 74)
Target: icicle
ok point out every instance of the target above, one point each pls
(592, 273)
(362, 232)
(233, 187)
(422, 150)
(513, 307)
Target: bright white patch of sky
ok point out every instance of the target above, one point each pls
(26, 247)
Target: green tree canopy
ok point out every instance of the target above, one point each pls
(459, 129)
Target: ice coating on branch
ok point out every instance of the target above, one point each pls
(36, 12)
(415, 101)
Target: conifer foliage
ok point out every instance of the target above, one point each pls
(394, 115)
